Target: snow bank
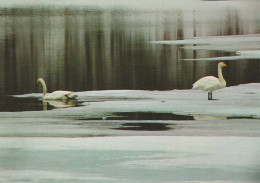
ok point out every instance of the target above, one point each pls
(235, 101)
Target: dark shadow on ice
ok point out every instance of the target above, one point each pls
(148, 116)
(140, 116)
(145, 127)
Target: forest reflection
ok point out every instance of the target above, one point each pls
(92, 49)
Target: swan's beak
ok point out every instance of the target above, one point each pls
(224, 65)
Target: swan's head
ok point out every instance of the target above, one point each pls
(39, 80)
(222, 64)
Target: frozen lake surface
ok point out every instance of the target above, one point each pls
(131, 159)
(191, 139)
(235, 101)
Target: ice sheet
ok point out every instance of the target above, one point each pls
(213, 40)
(244, 57)
(64, 145)
(246, 46)
(130, 159)
(235, 101)
(226, 47)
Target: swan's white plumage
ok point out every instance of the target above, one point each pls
(211, 83)
(56, 95)
(59, 95)
(208, 83)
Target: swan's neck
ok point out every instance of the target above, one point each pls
(44, 87)
(220, 75)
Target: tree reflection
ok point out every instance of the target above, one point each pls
(91, 49)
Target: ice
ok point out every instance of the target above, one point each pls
(245, 46)
(213, 40)
(236, 101)
(242, 55)
(27, 176)
(28, 95)
(79, 145)
(93, 117)
(249, 53)
(130, 159)
(226, 47)
(254, 57)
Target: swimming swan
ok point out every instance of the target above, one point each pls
(211, 83)
(57, 95)
(58, 103)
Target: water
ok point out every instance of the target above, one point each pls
(105, 47)
(14, 104)
(139, 119)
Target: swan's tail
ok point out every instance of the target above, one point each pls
(194, 86)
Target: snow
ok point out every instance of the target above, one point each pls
(77, 145)
(236, 101)
(93, 117)
(131, 159)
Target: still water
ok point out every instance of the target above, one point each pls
(97, 47)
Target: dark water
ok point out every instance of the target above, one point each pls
(17, 104)
(145, 127)
(148, 116)
(12, 104)
(144, 116)
(90, 48)
(151, 116)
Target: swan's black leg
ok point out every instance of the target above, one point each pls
(209, 95)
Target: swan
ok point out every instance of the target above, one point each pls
(58, 103)
(211, 83)
(56, 95)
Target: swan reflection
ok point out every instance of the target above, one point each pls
(59, 103)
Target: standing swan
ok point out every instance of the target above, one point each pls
(57, 95)
(211, 83)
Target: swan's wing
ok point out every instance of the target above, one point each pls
(207, 83)
(60, 95)
(60, 104)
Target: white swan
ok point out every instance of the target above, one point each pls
(211, 83)
(57, 95)
(58, 103)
